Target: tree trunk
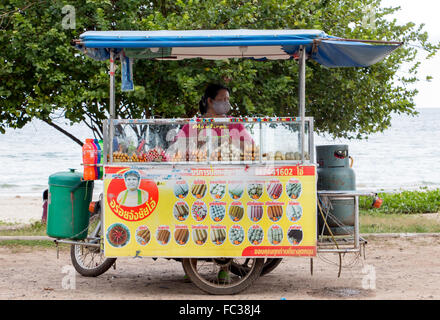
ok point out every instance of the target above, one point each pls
(64, 132)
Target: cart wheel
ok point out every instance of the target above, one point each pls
(205, 274)
(90, 261)
(269, 265)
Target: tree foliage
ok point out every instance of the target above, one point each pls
(43, 76)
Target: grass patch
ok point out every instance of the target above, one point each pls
(405, 202)
(34, 229)
(37, 244)
(378, 222)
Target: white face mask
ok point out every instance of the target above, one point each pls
(221, 107)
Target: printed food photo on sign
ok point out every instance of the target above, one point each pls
(293, 189)
(163, 235)
(130, 196)
(275, 212)
(217, 190)
(199, 210)
(217, 211)
(199, 236)
(198, 189)
(218, 235)
(181, 210)
(236, 189)
(294, 212)
(236, 211)
(143, 235)
(255, 235)
(295, 235)
(255, 190)
(255, 213)
(181, 189)
(118, 235)
(236, 234)
(274, 189)
(275, 235)
(181, 235)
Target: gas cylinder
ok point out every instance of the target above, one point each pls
(335, 174)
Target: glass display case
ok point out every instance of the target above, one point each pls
(213, 140)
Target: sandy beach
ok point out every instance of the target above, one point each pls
(23, 209)
(20, 209)
(394, 268)
(398, 264)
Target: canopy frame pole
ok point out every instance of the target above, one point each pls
(112, 103)
(302, 95)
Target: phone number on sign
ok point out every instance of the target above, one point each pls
(284, 171)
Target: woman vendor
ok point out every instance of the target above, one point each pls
(233, 136)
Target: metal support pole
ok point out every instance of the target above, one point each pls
(302, 95)
(356, 222)
(112, 103)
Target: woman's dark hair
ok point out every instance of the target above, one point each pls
(211, 91)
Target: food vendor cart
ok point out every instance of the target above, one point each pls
(232, 194)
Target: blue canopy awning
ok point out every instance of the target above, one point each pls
(222, 44)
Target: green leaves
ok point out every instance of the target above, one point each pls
(406, 202)
(41, 73)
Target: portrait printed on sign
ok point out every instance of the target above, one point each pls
(132, 196)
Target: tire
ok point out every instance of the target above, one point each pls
(90, 261)
(207, 280)
(269, 265)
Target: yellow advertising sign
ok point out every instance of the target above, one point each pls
(224, 211)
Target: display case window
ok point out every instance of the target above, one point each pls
(188, 141)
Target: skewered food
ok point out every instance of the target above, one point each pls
(295, 235)
(181, 211)
(218, 235)
(255, 235)
(275, 212)
(163, 236)
(255, 212)
(143, 235)
(199, 211)
(217, 190)
(255, 190)
(294, 212)
(235, 190)
(217, 212)
(236, 234)
(181, 189)
(275, 235)
(198, 189)
(236, 212)
(181, 235)
(200, 236)
(293, 189)
(274, 189)
(279, 156)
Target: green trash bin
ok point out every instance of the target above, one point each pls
(68, 205)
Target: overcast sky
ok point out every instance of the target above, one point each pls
(427, 12)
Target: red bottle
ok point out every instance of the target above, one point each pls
(90, 159)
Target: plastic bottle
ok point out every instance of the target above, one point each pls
(100, 154)
(90, 158)
(101, 168)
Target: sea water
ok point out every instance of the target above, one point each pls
(404, 157)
